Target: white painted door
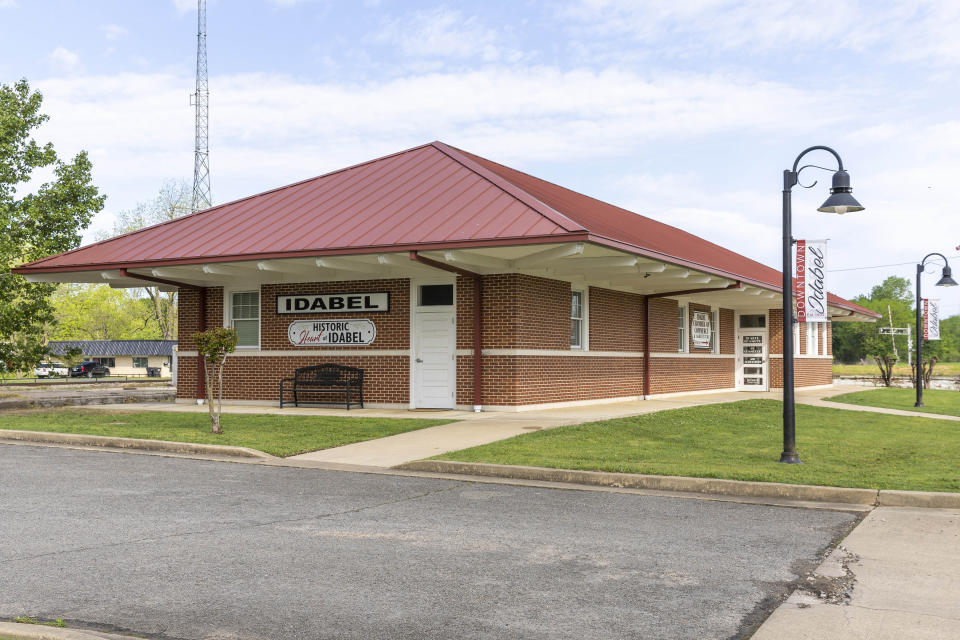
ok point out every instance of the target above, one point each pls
(435, 364)
(753, 362)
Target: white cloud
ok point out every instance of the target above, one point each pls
(4, 4)
(184, 6)
(113, 31)
(906, 30)
(65, 60)
(269, 130)
(442, 32)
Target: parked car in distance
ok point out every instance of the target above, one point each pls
(89, 369)
(51, 370)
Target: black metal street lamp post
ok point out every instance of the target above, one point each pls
(840, 201)
(945, 281)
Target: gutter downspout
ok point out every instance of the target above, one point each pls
(477, 321)
(646, 325)
(201, 318)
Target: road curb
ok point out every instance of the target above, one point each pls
(19, 631)
(925, 499)
(710, 486)
(85, 440)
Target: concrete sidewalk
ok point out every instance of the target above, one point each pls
(470, 429)
(897, 575)
(475, 429)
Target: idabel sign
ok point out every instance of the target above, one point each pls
(334, 303)
(342, 333)
(810, 281)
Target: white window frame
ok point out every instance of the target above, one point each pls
(584, 318)
(683, 328)
(228, 313)
(714, 330)
(813, 330)
(796, 338)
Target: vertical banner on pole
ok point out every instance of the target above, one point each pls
(931, 319)
(810, 281)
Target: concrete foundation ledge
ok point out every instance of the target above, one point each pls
(928, 499)
(711, 486)
(130, 443)
(18, 631)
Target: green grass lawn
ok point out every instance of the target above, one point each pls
(742, 441)
(940, 401)
(945, 369)
(279, 435)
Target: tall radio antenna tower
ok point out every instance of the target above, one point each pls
(201, 102)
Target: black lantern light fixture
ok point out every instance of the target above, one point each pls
(840, 201)
(946, 280)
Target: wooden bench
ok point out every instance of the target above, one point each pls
(323, 380)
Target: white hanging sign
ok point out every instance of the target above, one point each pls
(931, 319)
(810, 281)
(342, 333)
(700, 330)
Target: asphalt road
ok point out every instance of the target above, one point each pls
(178, 548)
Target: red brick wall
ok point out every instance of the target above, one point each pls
(676, 375)
(728, 332)
(520, 380)
(392, 326)
(616, 320)
(520, 312)
(663, 325)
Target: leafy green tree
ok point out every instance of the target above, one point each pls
(98, 312)
(214, 345)
(893, 288)
(172, 201)
(37, 224)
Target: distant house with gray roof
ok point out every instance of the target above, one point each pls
(122, 357)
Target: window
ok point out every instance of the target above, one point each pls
(576, 319)
(714, 331)
(245, 317)
(107, 362)
(682, 329)
(812, 343)
(753, 321)
(436, 295)
(139, 362)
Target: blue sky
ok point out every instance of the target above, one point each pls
(685, 111)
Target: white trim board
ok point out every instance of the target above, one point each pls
(267, 353)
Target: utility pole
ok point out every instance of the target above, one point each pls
(893, 339)
(201, 101)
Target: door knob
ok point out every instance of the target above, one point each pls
(418, 360)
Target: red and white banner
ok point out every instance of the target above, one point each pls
(931, 319)
(810, 281)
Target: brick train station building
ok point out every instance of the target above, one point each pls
(410, 265)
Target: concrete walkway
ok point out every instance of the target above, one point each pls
(469, 429)
(897, 575)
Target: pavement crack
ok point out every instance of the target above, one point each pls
(238, 527)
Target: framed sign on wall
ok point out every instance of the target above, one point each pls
(700, 330)
(342, 333)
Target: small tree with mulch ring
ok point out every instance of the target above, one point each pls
(214, 345)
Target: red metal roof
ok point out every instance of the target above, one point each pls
(429, 197)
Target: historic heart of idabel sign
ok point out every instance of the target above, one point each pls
(344, 333)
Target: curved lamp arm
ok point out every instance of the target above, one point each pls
(924, 261)
(818, 148)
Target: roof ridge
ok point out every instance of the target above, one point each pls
(508, 187)
(224, 204)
